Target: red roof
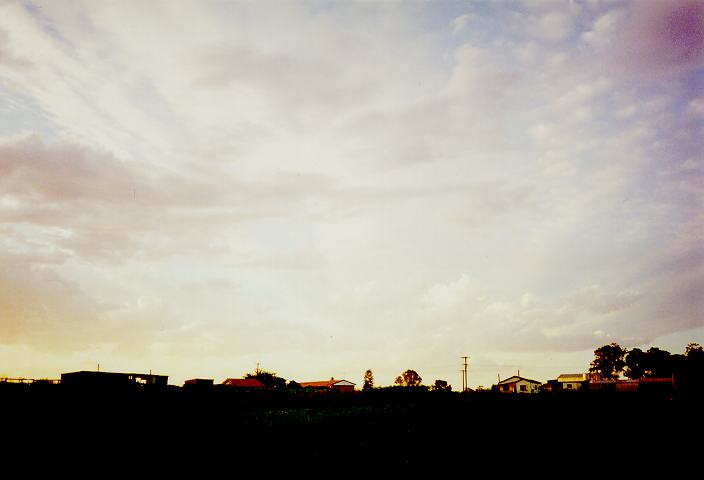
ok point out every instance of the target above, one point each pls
(323, 384)
(243, 382)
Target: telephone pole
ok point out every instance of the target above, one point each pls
(465, 386)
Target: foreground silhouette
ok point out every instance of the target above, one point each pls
(398, 426)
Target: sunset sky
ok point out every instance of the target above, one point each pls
(320, 187)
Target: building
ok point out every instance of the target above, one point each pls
(111, 379)
(573, 381)
(516, 384)
(199, 382)
(332, 384)
(243, 383)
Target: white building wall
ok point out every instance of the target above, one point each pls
(530, 387)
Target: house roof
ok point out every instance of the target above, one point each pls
(326, 383)
(573, 377)
(243, 382)
(322, 384)
(515, 379)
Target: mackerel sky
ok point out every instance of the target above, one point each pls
(193, 188)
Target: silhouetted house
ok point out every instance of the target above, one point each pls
(111, 379)
(573, 381)
(199, 382)
(243, 383)
(332, 384)
(551, 386)
(516, 384)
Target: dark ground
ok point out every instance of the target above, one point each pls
(221, 432)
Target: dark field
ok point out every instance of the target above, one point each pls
(398, 428)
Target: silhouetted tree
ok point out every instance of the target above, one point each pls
(657, 363)
(689, 375)
(635, 364)
(686, 369)
(694, 350)
(608, 361)
(441, 386)
(409, 378)
(368, 380)
(268, 379)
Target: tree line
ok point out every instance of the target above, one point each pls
(409, 378)
(610, 361)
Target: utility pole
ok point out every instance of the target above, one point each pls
(465, 386)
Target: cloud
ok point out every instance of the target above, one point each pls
(651, 38)
(578, 320)
(90, 203)
(595, 300)
(460, 23)
(553, 26)
(39, 307)
(296, 260)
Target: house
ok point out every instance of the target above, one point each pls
(111, 379)
(573, 381)
(551, 386)
(516, 384)
(243, 383)
(332, 384)
(199, 383)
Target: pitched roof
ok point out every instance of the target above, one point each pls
(344, 383)
(516, 378)
(243, 382)
(324, 383)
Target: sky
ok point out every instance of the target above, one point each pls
(193, 188)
